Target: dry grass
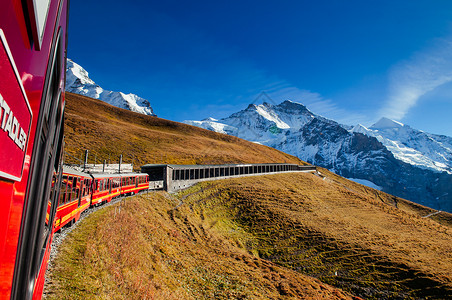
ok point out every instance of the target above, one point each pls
(108, 131)
(257, 238)
(343, 233)
(247, 238)
(150, 250)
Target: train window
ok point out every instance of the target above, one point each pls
(70, 181)
(63, 190)
(74, 188)
(77, 187)
(49, 203)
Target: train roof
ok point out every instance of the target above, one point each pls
(110, 175)
(72, 171)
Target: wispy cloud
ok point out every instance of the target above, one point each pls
(422, 73)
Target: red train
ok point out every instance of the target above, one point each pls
(79, 191)
(36, 196)
(32, 68)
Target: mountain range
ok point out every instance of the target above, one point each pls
(78, 82)
(389, 155)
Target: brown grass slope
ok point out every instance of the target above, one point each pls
(108, 131)
(256, 238)
(248, 238)
(339, 232)
(150, 250)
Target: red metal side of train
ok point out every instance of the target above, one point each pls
(75, 197)
(132, 183)
(105, 188)
(32, 68)
(80, 190)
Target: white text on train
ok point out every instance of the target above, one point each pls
(10, 125)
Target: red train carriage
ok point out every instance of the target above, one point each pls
(75, 197)
(132, 183)
(106, 187)
(32, 67)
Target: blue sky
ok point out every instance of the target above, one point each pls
(352, 61)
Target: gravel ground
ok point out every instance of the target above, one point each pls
(59, 237)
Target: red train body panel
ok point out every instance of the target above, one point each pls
(132, 183)
(32, 67)
(80, 190)
(105, 188)
(74, 198)
(36, 198)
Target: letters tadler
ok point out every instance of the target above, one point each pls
(10, 125)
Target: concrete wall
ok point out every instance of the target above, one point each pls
(179, 178)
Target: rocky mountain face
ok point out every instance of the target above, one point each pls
(401, 160)
(78, 81)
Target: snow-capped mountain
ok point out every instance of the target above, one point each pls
(78, 81)
(412, 146)
(401, 160)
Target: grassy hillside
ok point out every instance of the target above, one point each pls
(108, 131)
(263, 237)
(283, 236)
(150, 250)
(341, 234)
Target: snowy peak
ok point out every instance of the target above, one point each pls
(78, 81)
(76, 72)
(267, 112)
(210, 119)
(385, 123)
(360, 129)
(401, 160)
(294, 107)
